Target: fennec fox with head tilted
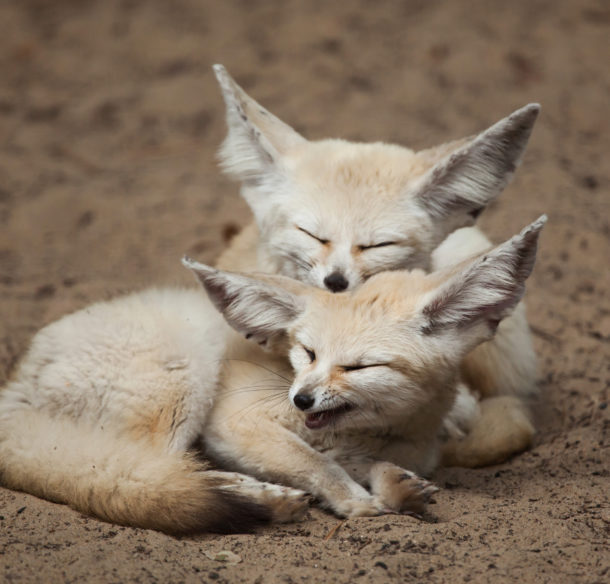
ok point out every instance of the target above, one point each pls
(105, 406)
(332, 213)
(374, 373)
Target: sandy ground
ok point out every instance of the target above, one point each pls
(109, 121)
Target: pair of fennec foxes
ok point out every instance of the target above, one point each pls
(378, 334)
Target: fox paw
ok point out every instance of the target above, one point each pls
(400, 490)
(286, 504)
(361, 507)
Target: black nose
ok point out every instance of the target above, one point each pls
(336, 282)
(303, 401)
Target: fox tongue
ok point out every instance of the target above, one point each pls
(318, 420)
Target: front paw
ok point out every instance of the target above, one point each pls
(287, 504)
(360, 507)
(400, 490)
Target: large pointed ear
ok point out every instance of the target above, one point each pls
(254, 307)
(474, 171)
(256, 139)
(473, 301)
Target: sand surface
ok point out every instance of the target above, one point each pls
(109, 121)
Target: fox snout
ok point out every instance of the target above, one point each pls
(304, 394)
(303, 401)
(336, 282)
(325, 412)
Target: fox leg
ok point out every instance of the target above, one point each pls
(284, 457)
(463, 414)
(286, 504)
(501, 429)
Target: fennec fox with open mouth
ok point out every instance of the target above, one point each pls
(104, 408)
(332, 213)
(374, 373)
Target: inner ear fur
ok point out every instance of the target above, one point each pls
(475, 170)
(256, 139)
(484, 290)
(258, 307)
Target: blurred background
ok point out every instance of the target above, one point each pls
(111, 116)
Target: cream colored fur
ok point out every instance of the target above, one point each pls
(106, 402)
(332, 213)
(376, 372)
(105, 406)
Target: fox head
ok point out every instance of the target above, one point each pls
(389, 350)
(332, 213)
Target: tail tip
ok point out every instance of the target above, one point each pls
(237, 514)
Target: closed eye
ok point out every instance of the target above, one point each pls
(311, 354)
(376, 245)
(347, 368)
(320, 239)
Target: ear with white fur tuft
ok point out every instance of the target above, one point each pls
(258, 309)
(256, 139)
(457, 189)
(480, 295)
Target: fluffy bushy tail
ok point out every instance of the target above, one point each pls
(118, 479)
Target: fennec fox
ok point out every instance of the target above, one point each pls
(331, 213)
(104, 407)
(375, 372)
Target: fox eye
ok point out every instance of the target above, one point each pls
(382, 244)
(347, 368)
(310, 354)
(320, 239)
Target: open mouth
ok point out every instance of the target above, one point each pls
(325, 417)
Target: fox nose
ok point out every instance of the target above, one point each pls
(303, 401)
(336, 282)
